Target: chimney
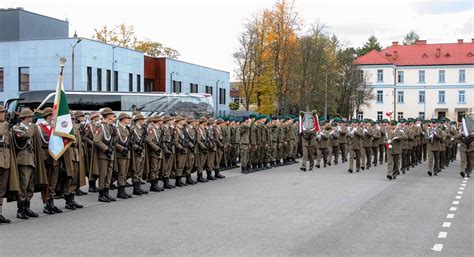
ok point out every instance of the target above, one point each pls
(395, 43)
(395, 55)
(420, 42)
(460, 41)
(438, 52)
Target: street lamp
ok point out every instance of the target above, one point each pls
(74, 46)
(113, 69)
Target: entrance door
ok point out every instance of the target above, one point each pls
(441, 115)
(461, 115)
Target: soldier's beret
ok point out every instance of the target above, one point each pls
(393, 123)
(252, 116)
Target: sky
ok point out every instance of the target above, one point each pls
(205, 31)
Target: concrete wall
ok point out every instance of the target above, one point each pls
(411, 87)
(189, 73)
(17, 24)
(42, 57)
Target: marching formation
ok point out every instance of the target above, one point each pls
(114, 152)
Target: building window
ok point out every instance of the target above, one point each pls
(149, 85)
(24, 78)
(116, 82)
(421, 115)
(379, 75)
(379, 115)
(194, 88)
(421, 97)
(89, 79)
(441, 97)
(400, 115)
(221, 95)
(401, 76)
(107, 82)
(401, 97)
(421, 76)
(176, 86)
(99, 79)
(130, 82)
(441, 115)
(1, 79)
(461, 115)
(139, 83)
(462, 75)
(360, 115)
(360, 76)
(209, 90)
(379, 96)
(462, 97)
(442, 76)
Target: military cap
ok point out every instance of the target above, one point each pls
(167, 118)
(46, 112)
(210, 121)
(158, 118)
(252, 116)
(106, 111)
(393, 123)
(219, 121)
(138, 116)
(78, 114)
(2, 109)
(202, 120)
(94, 115)
(25, 113)
(179, 118)
(124, 115)
(190, 119)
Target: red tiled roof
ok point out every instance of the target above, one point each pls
(421, 54)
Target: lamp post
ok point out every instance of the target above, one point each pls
(395, 117)
(73, 46)
(113, 69)
(217, 97)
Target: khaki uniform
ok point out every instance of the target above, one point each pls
(202, 151)
(244, 135)
(394, 150)
(190, 134)
(25, 158)
(169, 151)
(123, 154)
(334, 145)
(466, 152)
(154, 151)
(52, 166)
(433, 147)
(234, 144)
(323, 146)
(355, 138)
(105, 153)
(212, 147)
(367, 148)
(8, 174)
(377, 136)
(180, 145)
(220, 146)
(343, 142)
(308, 142)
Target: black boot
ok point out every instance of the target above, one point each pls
(112, 186)
(54, 207)
(201, 179)
(244, 170)
(209, 175)
(102, 197)
(108, 196)
(189, 180)
(121, 193)
(218, 174)
(77, 205)
(79, 192)
(47, 209)
(92, 187)
(183, 183)
(178, 182)
(20, 213)
(154, 186)
(69, 204)
(29, 212)
(136, 188)
(167, 185)
(4, 220)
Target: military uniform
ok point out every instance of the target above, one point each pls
(377, 136)
(104, 141)
(334, 145)
(394, 150)
(466, 152)
(244, 134)
(190, 134)
(220, 145)
(308, 140)
(202, 151)
(234, 144)
(155, 153)
(324, 145)
(367, 147)
(434, 145)
(123, 154)
(180, 144)
(169, 152)
(343, 130)
(89, 135)
(355, 137)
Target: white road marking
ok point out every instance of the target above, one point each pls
(460, 192)
(463, 185)
(453, 209)
(455, 202)
(461, 188)
(442, 234)
(458, 197)
(446, 224)
(450, 216)
(437, 247)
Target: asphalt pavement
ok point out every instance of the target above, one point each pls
(277, 212)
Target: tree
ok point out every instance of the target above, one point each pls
(234, 106)
(370, 45)
(410, 38)
(124, 35)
